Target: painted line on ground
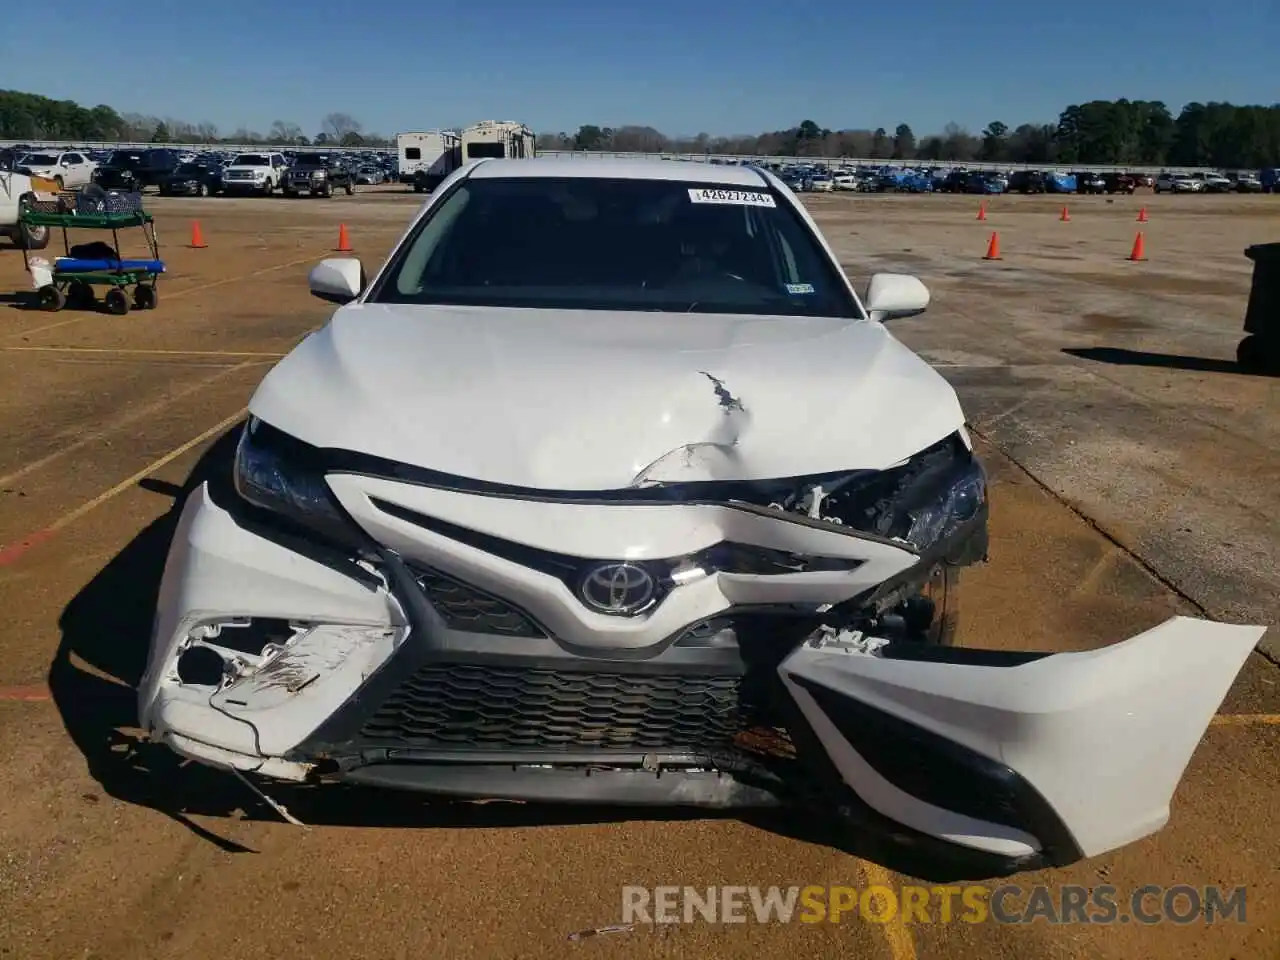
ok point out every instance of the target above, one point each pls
(12, 553)
(1246, 720)
(33, 693)
(181, 292)
(229, 354)
(901, 944)
(133, 417)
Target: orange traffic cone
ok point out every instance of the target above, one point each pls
(1066, 217)
(1142, 215)
(1139, 247)
(982, 210)
(197, 236)
(993, 248)
(344, 240)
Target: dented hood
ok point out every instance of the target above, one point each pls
(596, 400)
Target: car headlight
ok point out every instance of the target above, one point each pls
(922, 502)
(272, 473)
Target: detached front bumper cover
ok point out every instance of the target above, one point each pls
(1023, 758)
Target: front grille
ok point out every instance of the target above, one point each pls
(477, 707)
(463, 607)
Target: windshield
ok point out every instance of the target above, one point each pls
(312, 160)
(252, 160)
(39, 160)
(597, 244)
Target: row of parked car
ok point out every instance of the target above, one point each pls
(211, 172)
(871, 179)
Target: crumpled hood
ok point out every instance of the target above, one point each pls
(595, 400)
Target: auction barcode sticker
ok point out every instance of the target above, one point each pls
(741, 198)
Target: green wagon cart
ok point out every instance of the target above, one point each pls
(73, 279)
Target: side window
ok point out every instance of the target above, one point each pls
(412, 153)
(73, 158)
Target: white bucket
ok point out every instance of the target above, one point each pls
(41, 272)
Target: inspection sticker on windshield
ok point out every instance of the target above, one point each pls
(797, 288)
(741, 198)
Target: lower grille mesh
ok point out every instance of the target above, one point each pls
(465, 608)
(473, 706)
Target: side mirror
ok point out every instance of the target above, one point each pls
(337, 280)
(891, 295)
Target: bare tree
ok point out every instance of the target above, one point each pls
(282, 132)
(337, 126)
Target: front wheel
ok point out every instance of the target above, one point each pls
(350, 188)
(51, 298)
(116, 302)
(145, 297)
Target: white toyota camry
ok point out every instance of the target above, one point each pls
(608, 487)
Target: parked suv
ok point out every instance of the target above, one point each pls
(318, 174)
(1214, 182)
(1245, 182)
(1087, 182)
(1178, 183)
(254, 173)
(136, 169)
(1119, 183)
(70, 169)
(1027, 181)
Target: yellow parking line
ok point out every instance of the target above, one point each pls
(1246, 720)
(230, 354)
(901, 944)
(139, 414)
(73, 515)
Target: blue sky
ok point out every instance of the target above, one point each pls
(683, 67)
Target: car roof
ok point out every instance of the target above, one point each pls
(688, 171)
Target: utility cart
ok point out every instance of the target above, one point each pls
(74, 276)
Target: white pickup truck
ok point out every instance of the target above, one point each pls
(16, 191)
(254, 173)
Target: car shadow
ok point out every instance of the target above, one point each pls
(100, 661)
(1173, 361)
(20, 300)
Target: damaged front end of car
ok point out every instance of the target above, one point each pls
(718, 643)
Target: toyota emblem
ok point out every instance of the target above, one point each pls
(620, 589)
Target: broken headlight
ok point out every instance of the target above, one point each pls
(921, 502)
(272, 472)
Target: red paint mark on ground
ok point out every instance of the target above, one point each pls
(30, 694)
(10, 553)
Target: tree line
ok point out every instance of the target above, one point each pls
(1112, 132)
(1118, 132)
(29, 116)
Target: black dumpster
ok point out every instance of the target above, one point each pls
(1260, 350)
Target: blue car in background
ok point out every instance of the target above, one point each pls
(1060, 183)
(1269, 177)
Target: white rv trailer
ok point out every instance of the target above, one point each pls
(427, 158)
(497, 138)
